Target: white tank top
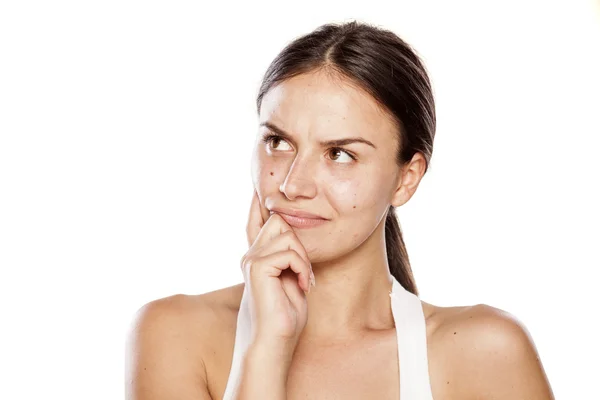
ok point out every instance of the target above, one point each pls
(410, 333)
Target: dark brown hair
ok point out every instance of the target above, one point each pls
(385, 66)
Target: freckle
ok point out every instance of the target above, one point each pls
(354, 207)
(447, 383)
(455, 333)
(271, 174)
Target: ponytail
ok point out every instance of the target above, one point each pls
(396, 253)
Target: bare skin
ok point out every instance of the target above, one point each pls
(181, 347)
(330, 370)
(474, 352)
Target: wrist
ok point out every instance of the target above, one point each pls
(265, 373)
(274, 353)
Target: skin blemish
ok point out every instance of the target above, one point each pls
(455, 333)
(271, 174)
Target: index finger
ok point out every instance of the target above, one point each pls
(257, 217)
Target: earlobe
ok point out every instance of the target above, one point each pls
(408, 181)
(400, 196)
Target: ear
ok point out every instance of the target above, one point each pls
(408, 181)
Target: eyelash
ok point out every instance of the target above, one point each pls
(267, 139)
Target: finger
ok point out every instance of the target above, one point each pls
(285, 241)
(296, 295)
(273, 227)
(273, 264)
(255, 220)
(264, 211)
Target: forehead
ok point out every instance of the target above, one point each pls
(326, 106)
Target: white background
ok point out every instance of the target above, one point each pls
(126, 129)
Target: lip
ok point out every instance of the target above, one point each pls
(299, 219)
(297, 213)
(298, 222)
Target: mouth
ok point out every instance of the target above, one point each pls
(301, 222)
(299, 218)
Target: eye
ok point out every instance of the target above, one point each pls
(341, 151)
(271, 139)
(268, 139)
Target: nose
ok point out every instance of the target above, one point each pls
(299, 181)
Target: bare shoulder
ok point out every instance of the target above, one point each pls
(172, 339)
(486, 352)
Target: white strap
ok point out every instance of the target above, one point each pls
(412, 344)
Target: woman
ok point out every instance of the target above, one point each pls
(329, 307)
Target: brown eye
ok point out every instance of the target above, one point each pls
(340, 152)
(269, 139)
(275, 140)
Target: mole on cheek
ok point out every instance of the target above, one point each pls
(271, 174)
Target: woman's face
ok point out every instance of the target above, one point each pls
(301, 172)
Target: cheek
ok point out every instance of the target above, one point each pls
(354, 194)
(343, 190)
(347, 194)
(264, 170)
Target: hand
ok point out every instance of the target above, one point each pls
(278, 274)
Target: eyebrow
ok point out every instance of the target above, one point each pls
(327, 143)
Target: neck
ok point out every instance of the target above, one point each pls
(351, 295)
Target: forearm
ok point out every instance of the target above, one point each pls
(264, 373)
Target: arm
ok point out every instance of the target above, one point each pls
(264, 372)
(501, 350)
(158, 362)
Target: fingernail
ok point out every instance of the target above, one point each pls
(312, 279)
